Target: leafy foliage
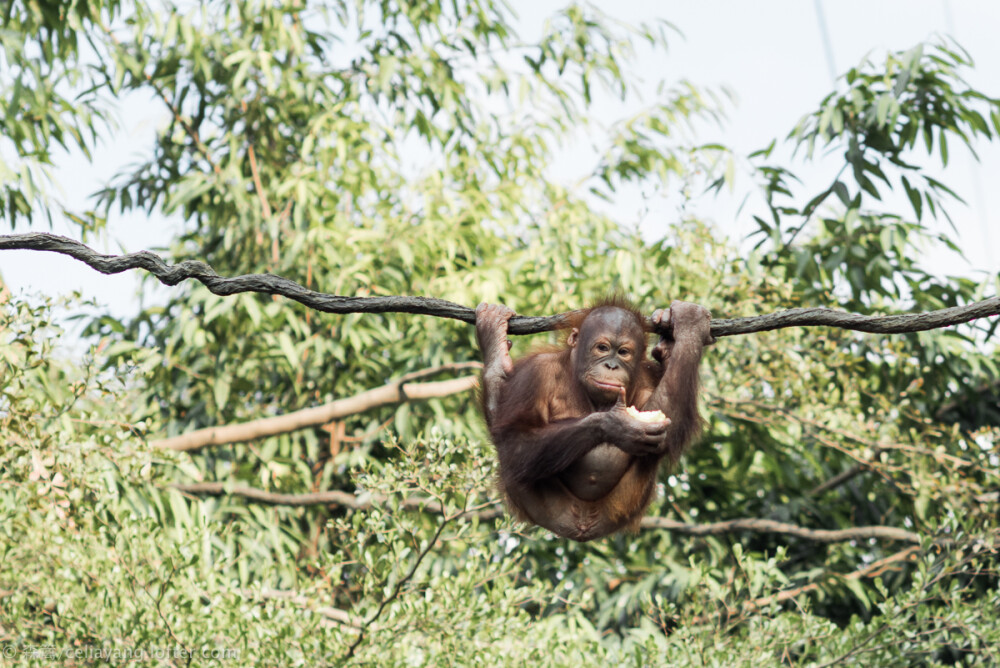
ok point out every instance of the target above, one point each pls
(367, 149)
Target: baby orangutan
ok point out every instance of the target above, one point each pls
(573, 457)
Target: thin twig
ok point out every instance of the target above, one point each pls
(872, 570)
(191, 132)
(278, 285)
(255, 174)
(433, 371)
(841, 478)
(341, 617)
(400, 583)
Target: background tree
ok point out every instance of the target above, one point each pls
(367, 149)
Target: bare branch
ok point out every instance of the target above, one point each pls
(277, 285)
(433, 371)
(342, 617)
(335, 497)
(400, 583)
(392, 393)
(783, 528)
(872, 570)
(330, 497)
(841, 478)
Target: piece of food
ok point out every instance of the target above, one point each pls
(646, 416)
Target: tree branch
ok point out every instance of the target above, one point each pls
(783, 528)
(756, 525)
(277, 285)
(872, 570)
(191, 132)
(397, 391)
(341, 617)
(398, 588)
(330, 497)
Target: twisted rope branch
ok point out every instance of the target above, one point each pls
(278, 285)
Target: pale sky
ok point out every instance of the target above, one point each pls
(770, 54)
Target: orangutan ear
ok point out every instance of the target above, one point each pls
(573, 338)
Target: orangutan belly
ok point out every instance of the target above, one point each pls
(595, 474)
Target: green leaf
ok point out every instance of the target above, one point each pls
(221, 392)
(914, 196)
(882, 110)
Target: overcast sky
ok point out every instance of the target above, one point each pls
(776, 57)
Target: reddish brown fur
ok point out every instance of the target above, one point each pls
(545, 424)
(613, 300)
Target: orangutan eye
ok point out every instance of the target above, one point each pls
(624, 352)
(603, 347)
